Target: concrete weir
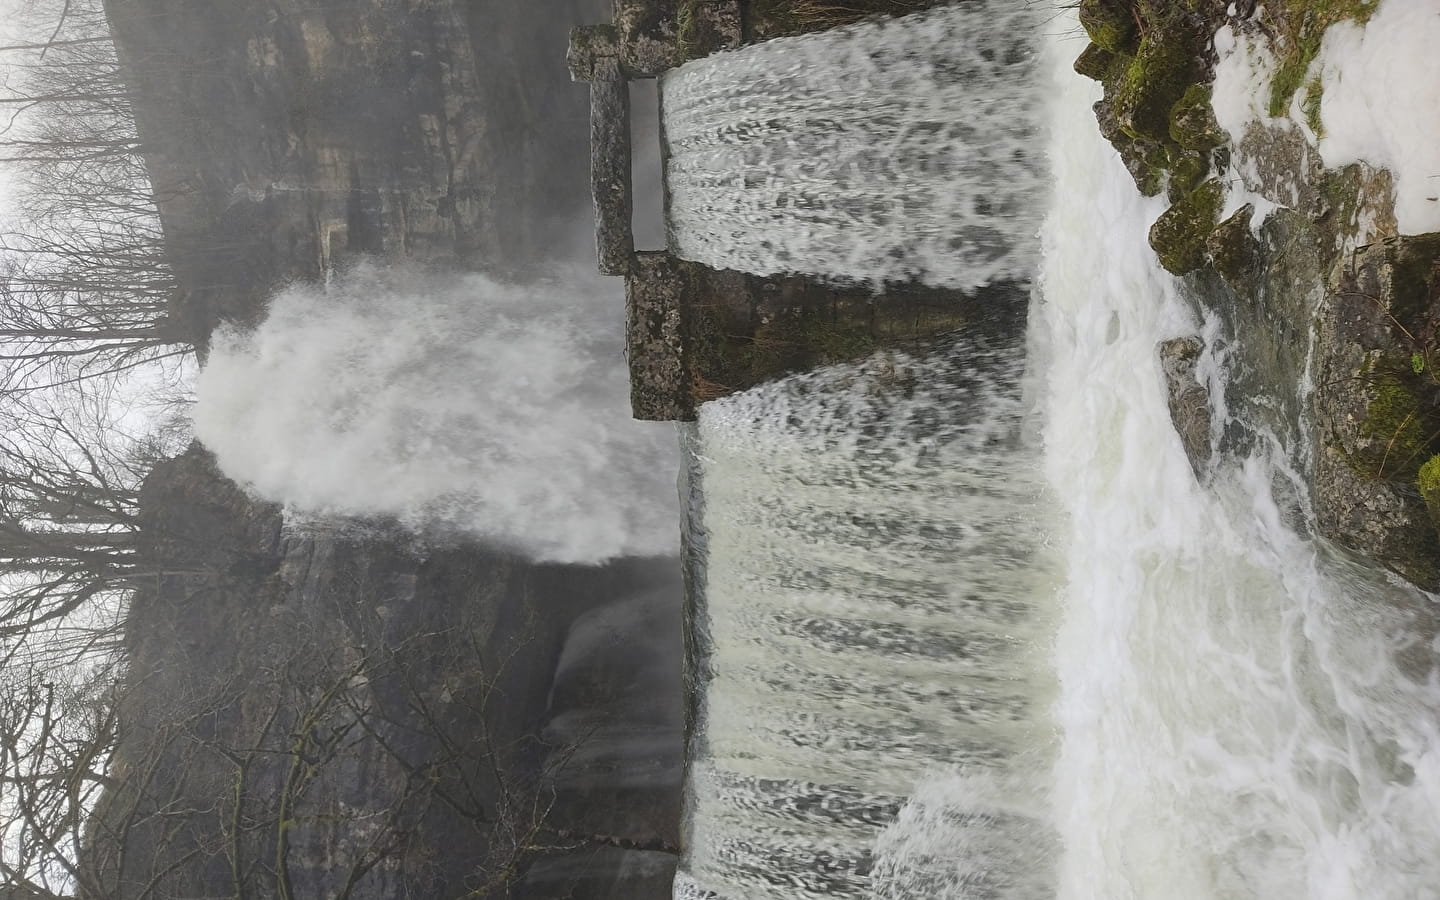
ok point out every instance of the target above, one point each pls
(645, 39)
(696, 333)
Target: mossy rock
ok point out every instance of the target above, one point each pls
(1096, 63)
(1110, 24)
(1192, 121)
(1165, 66)
(1428, 482)
(1415, 264)
(1144, 160)
(1180, 234)
(1399, 428)
(1188, 168)
(1234, 252)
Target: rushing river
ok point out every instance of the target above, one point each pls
(967, 625)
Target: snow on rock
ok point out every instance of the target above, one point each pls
(1381, 103)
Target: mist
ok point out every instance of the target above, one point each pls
(456, 404)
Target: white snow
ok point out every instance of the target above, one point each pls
(1242, 82)
(1381, 103)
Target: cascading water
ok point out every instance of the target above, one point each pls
(881, 152)
(1246, 713)
(921, 675)
(873, 560)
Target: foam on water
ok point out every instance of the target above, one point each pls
(456, 403)
(904, 149)
(873, 560)
(1246, 713)
(1242, 711)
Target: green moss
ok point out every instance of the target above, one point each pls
(1192, 120)
(1397, 424)
(1299, 26)
(1110, 23)
(1187, 169)
(1311, 107)
(1095, 62)
(1179, 235)
(1428, 481)
(687, 30)
(1156, 79)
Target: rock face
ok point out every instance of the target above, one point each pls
(610, 175)
(1377, 404)
(1189, 401)
(307, 712)
(341, 712)
(284, 138)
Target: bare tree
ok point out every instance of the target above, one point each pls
(85, 290)
(57, 730)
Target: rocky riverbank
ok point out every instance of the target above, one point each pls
(1327, 314)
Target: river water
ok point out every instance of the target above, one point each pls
(966, 624)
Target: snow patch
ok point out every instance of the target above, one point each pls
(1381, 103)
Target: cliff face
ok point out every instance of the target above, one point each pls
(343, 713)
(285, 137)
(328, 715)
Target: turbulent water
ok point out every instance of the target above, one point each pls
(861, 634)
(881, 152)
(1246, 714)
(452, 404)
(940, 661)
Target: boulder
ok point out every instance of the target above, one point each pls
(1376, 404)
(1188, 399)
(1180, 234)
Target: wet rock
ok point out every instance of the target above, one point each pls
(649, 35)
(1144, 160)
(659, 388)
(1179, 235)
(1095, 62)
(716, 25)
(594, 53)
(1234, 252)
(1188, 399)
(1192, 121)
(1377, 404)
(1110, 23)
(1188, 168)
(610, 175)
(1164, 67)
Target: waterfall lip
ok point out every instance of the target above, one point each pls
(784, 170)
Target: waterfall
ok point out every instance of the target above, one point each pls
(1246, 712)
(938, 658)
(875, 581)
(891, 151)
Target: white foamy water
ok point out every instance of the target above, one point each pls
(904, 149)
(459, 403)
(873, 559)
(1237, 712)
(1245, 714)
